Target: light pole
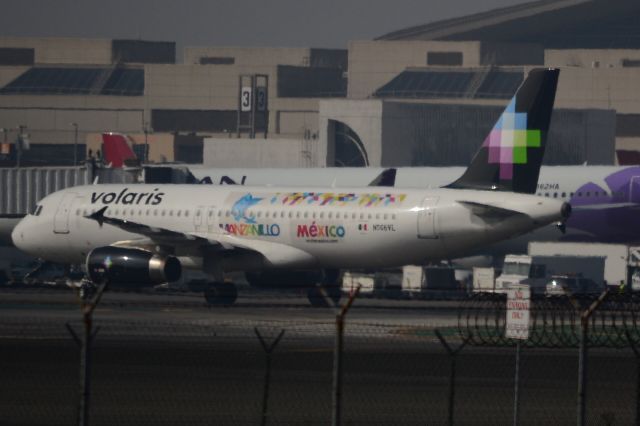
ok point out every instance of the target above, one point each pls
(5, 132)
(19, 144)
(75, 143)
(147, 130)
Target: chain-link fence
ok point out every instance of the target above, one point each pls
(214, 372)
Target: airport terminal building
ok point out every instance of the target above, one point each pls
(424, 95)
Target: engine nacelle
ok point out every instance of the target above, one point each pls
(131, 267)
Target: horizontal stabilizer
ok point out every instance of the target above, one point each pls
(488, 212)
(607, 206)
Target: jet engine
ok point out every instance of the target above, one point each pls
(131, 267)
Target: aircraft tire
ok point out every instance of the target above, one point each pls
(318, 301)
(221, 294)
(315, 298)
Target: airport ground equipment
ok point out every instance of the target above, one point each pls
(620, 261)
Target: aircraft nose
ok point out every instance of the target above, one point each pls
(17, 235)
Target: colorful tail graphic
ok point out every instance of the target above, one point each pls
(116, 149)
(511, 155)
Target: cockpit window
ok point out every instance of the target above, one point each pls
(37, 210)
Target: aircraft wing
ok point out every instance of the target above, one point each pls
(488, 212)
(276, 254)
(159, 235)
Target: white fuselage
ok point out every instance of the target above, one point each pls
(615, 190)
(315, 228)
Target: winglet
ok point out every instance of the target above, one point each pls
(98, 216)
(386, 178)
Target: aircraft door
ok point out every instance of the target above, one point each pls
(61, 218)
(427, 218)
(212, 218)
(198, 220)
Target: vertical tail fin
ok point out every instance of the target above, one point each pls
(511, 155)
(116, 149)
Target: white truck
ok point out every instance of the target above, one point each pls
(536, 271)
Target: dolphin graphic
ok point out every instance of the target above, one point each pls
(238, 211)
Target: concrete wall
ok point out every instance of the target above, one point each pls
(425, 134)
(589, 58)
(10, 73)
(250, 56)
(374, 63)
(364, 117)
(282, 153)
(53, 50)
(51, 124)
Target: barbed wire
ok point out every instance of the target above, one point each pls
(555, 321)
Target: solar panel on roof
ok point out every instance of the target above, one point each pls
(500, 85)
(77, 81)
(452, 84)
(125, 82)
(427, 84)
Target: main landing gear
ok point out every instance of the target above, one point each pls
(330, 281)
(221, 293)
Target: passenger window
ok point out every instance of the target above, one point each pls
(321, 215)
(377, 216)
(369, 216)
(393, 216)
(361, 216)
(564, 194)
(290, 215)
(186, 213)
(259, 214)
(385, 217)
(36, 212)
(555, 195)
(329, 215)
(313, 215)
(305, 215)
(282, 214)
(155, 212)
(179, 213)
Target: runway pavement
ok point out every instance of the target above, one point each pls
(169, 359)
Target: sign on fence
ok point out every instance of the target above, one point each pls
(518, 300)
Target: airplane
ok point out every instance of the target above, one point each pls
(144, 234)
(607, 197)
